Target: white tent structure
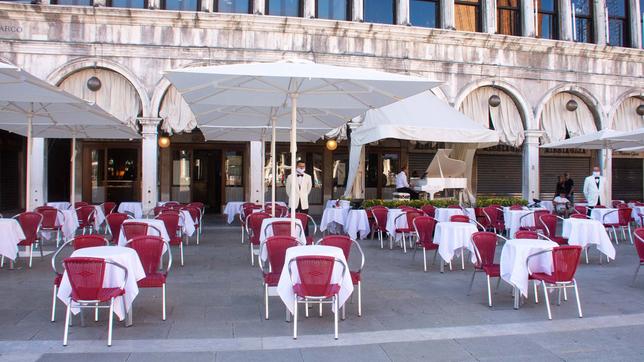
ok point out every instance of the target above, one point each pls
(315, 95)
(422, 117)
(607, 139)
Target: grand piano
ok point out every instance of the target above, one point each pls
(443, 173)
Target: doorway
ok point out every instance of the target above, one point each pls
(206, 178)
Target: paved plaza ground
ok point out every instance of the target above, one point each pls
(215, 313)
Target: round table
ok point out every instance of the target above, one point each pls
(333, 219)
(605, 216)
(12, 234)
(452, 236)
(584, 232)
(133, 208)
(445, 213)
(392, 224)
(357, 224)
(151, 231)
(513, 220)
(60, 205)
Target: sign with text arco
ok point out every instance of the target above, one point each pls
(10, 28)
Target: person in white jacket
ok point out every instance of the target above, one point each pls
(302, 189)
(595, 188)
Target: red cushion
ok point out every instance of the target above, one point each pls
(155, 280)
(105, 294)
(271, 279)
(355, 277)
(543, 276)
(331, 290)
(559, 240)
(404, 230)
(493, 270)
(54, 228)
(57, 279)
(427, 245)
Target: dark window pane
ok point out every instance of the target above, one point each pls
(584, 29)
(379, 11)
(133, 4)
(617, 32)
(547, 26)
(424, 13)
(616, 8)
(73, 2)
(547, 5)
(507, 22)
(582, 7)
(283, 7)
(233, 6)
(188, 5)
(467, 16)
(333, 9)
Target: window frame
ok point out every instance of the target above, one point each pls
(349, 16)
(511, 9)
(478, 6)
(590, 18)
(438, 13)
(554, 14)
(625, 20)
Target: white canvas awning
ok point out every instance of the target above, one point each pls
(608, 139)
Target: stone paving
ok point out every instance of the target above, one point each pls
(215, 313)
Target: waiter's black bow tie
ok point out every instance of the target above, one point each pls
(300, 175)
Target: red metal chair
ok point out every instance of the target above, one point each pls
(282, 228)
(254, 229)
(305, 219)
(345, 243)
(379, 223)
(623, 222)
(315, 285)
(109, 207)
(549, 223)
(459, 218)
(579, 216)
(86, 216)
(114, 222)
(134, 229)
(484, 243)
(195, 214)
(88, 241)
(494, 219)
(536, 217)
(202, 210)
(159, 209)
(580, 209)
(424, 227)
(247, 209)
(49, 220)
(172, 223)
(275, 251)
(639, 247)
(80, 204)
(429, 210)
(86, 277)
(172, 204)
(280, 210)
(150, 251)
(565, 260)
(526, 234)
(30, 223)
(408, 230)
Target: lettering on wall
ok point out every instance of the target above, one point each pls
(9, 28)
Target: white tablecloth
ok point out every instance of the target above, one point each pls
(69, 221)
(444, 214)
(584, 232)
(392, 214)
(135, 208)
(636, 211)
(10, 235)
(343, 203)
(598, 214)
(333, 219)
(99, 216)
(232, 209)
(60, 205)
(154, 222)
(357, 224)
(513, 222)
(265, 233)
(187, 223)
(113, 275)
(548, 205)
(285, 287)
(452, 236)
(514, 257)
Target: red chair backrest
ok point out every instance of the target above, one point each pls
(407, 208)
(619, 203)
(171, 203)
(254, 223)
(411, 215)
(30, 223)
(109, 207)
(149, 249)
(639, 242)
(578, 216)
(581, 209)
(276, 249)
(197, 204)
(425, 226)
(248, 208)
(549, 222)
(485, 244)
(459, 218)
(281, 228)
(134, 229)
(380, 215)
(195, 213)
(624, 215)
(429, 210)
(88, 241)
(114, 222)
(86, 215)
(516, 207)
(171, 211)
(537, 216)
(339, 241)
(49, 216)
(160, 209)
(304, 219)
(280, 211)
(525, 234)
(315, 274)
(80, 204)
(171, 223)
(85, 276)
(565, 260)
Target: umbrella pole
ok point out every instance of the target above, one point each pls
(273, 168)
(293, 160)
(72, 181)
(29, 147)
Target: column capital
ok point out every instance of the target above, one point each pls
(149, 125)
(533, 135)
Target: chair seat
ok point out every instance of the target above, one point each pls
(175, 240)
(271, 279)
(545, 277)
(528, 228)
(51, 228)
(427, 245)
(493, 270)
(355, 277)
(57, 279)
(330, 291)
(25, 242)
(559, 240)
(104, 295)
(403, 230)
(155, 280)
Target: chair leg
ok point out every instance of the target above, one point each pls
(462, 259)
(558, 296)
(635, 275)
(359, 299)
(630, 234)
(163, 301)
(536, 291)
(198, 234)
(252, 255)
(243, 235)
(110, 324)
(586, 252)
(31, 254)
(295, 318)
(67, 320)
(337, 310)
(471, 283)
(181, 252)
(404, 243)
(546, 298)
(320, 310)
(577, 297)
(344, 312)
(489, 292)
(424, 258)
(382, 246)
(96, 313)
(306, 309)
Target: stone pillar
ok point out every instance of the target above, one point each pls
(635, 23)
(149, 159)
(259, 7)
(327, 175)
(600, 22)
(78, 173)
(308, 9)
(207, 6)
(447, 15)
(530, 185)
(256, 168)
(36, 167)
(606, 165)
(488, 20)
(402, 12)
(357, 10)
(565, 20)
(165, 179)
(528, 24)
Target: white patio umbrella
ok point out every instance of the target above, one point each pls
(32, 107)
(607, 139)
(331, 94)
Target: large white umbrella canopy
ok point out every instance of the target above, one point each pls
(314, 94)
(32, 107)
(608, 139)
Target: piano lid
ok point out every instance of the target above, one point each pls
(444, 167)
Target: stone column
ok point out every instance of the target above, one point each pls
(600, 22)
(357, 10)
(530, 185)
(36, 167)
(165, 178)
(528, 24)
(402, 12)
(606, 165)
(256, 167)
(635, 23)
(259, 7)
(565, 20)
(327, 175)
(447, 15)
(149, 159)
(488, 19)
(308, 9)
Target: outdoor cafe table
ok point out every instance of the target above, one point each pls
(392, 224)
(637, 210)
(513, 221)
(335, 203)
(514, 258)
(444, 214)
(598, 214)
(187, 223)
(548, 205)
(113, 277)
(133, 208)
(10, 235)
(452, 236)
(285, 286)
(234, 208)
(60, 205)
(151, 231)
(584, 232)
(68, 219)
(333, 219)
(357, 224)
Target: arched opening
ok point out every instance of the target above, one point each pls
(628, 167)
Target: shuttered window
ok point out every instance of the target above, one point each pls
(498, 175)
(550, 167)
(627, 179)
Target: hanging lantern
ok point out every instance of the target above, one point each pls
(571, 105)
(494, 100)
(94, 84)
(164, 142)
(640, 110)
(331, 145)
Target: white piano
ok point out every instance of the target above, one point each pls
(443, 173)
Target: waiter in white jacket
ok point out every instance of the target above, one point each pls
(302, 189)
(595, 188)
